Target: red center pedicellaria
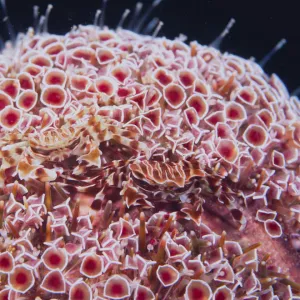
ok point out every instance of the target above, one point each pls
(21, 278)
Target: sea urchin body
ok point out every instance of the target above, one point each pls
(137, 167)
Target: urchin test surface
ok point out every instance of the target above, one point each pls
(98, 125)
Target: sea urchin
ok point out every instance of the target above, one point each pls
(138, 167)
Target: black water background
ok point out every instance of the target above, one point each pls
(259, 24)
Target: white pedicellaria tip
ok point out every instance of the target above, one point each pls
(55, 77)
(214, 118)
(246, 95)
(21, 279)
(116, 287)
(223, 131)
(235, 112)
(54, 96)
(198, 290)
(273, 228)
(80, 83)
(6, 262)
(106, 85)
(55, 258)
(26, 81)
(153, 96)
(144, 293)
(228, 150)
(27, 100)
(154, 117)
(162, 77)
(277, 159)
(41, 60)
(97, 15)
(126, 230)
(200, 87)
(5, 100)
(10, 117)
(5, 294)
(217, 42)
(121, 73)
(223, 293)
(54, 282)
(139, 100)
(11, 87)
(268, 56)
(175, 95)
(255, 136)
(83, 54)
(80, 290)
(225, 274)
(54, 49)
(265, 214)
(191, 117)
(167, 275)
(199, 104)
(266, 117)
(91, 266)
(186, 78)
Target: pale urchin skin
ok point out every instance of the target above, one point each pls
(143, 167)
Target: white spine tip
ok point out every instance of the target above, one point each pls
(123, 18)
(280, 44)
(156, 2)
(149, 28)
(217, 42)
(137, 11)
(158, 28)
(141, 21)
(277, 47)
(36, 10)
(97, 15)
(228, 27)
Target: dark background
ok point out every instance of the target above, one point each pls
(259, 24)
